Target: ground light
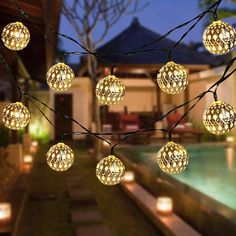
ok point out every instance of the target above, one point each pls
(129, 177)
(164, 206)
(5, 212)
(15, 36)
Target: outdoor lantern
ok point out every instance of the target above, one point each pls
(219, 37)
(28, 159)
(110, 90)
(15, 36)
(172, 158)
(230, 139)
(5, 212)
(129, 177)
(60, 157)
(219, 118)
(110, 170)
(164, 206)
(172, 78)
(34, 147)
(60, 77)
(15, 116)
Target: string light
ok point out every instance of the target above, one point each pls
(110, 90)
(15, 116)
(60, 157)
(172, 78)
(60, 77)
(219, 118)
(172, 158)
(219, 37)
(15, 36)
(110, 170)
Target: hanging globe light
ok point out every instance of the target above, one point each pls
(219, 38)
(110, 90)
(60, 77)
(60, 157)
(15, 36)
(172, 78)
(172, 158)
(110, 170)
(219, 118)
(15, 116)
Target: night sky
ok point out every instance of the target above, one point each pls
(159, 16)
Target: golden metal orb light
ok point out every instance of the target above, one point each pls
(60, 157)
(219, 37)
(219, 118)
(60, 77)
(15, 116)
(15, 36)
(110, 170)
(172, 158)
(172, 78)
(110, 90)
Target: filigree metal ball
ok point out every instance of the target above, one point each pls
(60, 157)
(219, 118)
(15, 116)
(172, 158)
(219, 37)
(172, 78)
(110, 170)
(110, 90)
(60, 77)
(15, 36)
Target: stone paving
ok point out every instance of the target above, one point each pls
(84, 213)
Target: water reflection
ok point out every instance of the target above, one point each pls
(230, 157)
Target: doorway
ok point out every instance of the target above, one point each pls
(63, 105)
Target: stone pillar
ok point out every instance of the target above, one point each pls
(14, 97)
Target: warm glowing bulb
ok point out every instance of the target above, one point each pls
(60, 157)
(110, 170)
(15, 116)
(172, 78)
(129, 177)
(219, 118)
(5, 212)
(172, 158)
(15, 36)
(164, 205)
(219, 37)
(60, 77)
(110, 90)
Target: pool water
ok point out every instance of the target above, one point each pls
(211, 170)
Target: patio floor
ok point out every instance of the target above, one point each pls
(49, 206)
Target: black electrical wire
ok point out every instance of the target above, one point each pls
(125, 55)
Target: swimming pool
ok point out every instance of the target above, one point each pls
(212, 169)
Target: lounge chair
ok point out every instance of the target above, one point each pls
(183, 129)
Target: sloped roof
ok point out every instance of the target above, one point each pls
(136, 35)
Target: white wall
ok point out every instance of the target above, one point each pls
(140, 95)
